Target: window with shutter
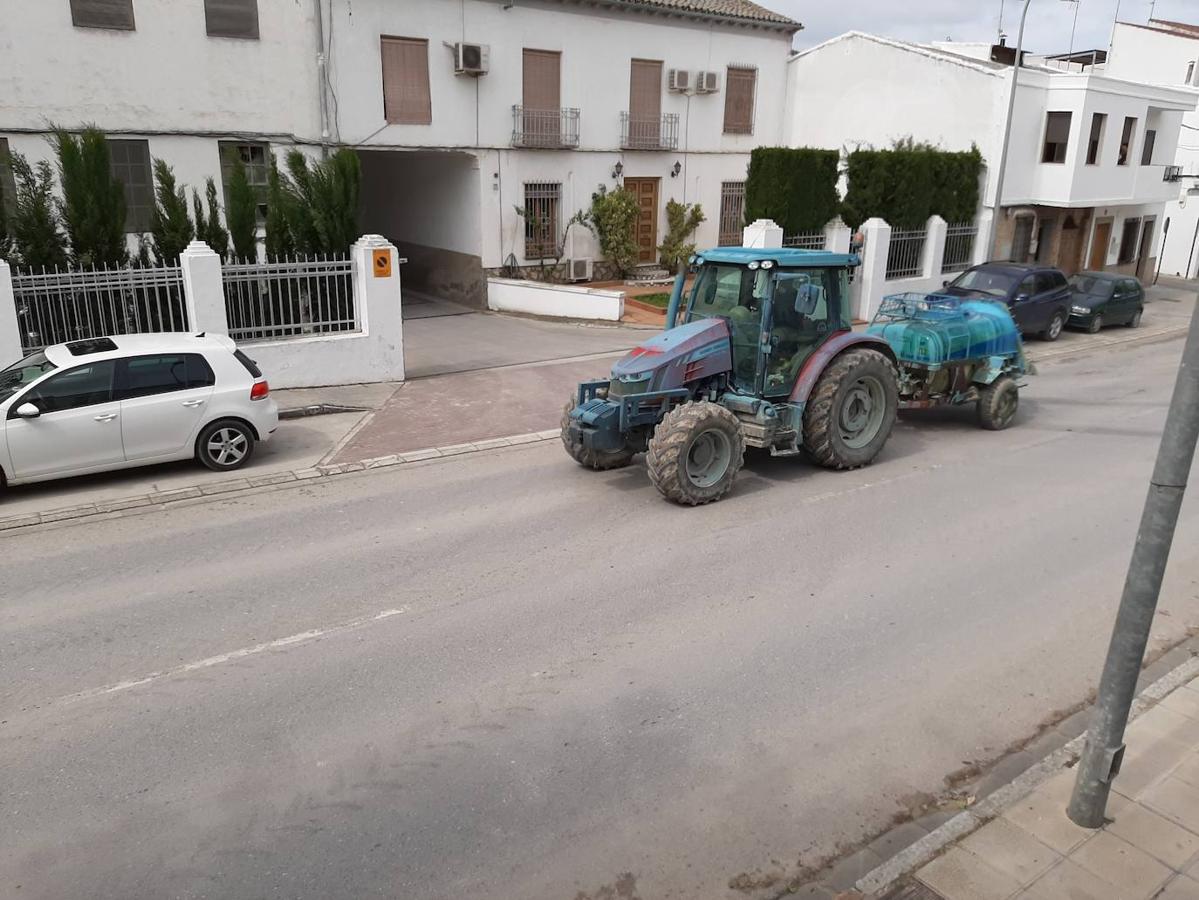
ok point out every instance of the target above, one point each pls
(232, 18)
(102, 14)
(131, 167)
(739, 89)
(406, 98)
(1057, 137)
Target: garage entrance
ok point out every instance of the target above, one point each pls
(427, 204)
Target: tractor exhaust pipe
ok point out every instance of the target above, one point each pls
(676, 296)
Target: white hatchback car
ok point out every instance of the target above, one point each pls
(131, 400)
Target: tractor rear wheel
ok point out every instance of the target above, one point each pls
(598, 460)
(997, 403)
(695, 453)
(851, 412)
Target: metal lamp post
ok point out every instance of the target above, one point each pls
(1007, 133)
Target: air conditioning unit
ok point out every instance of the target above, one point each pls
(580, 269)
(707, 83)
(471, 59)
(679, 81)
(1172, 173)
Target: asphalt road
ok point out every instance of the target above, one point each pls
(503, 676)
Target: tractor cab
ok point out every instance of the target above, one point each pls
(780, 306)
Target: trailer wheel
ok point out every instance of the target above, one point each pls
(851, 412)
(695, 453)
(997, 403)
(597, 460)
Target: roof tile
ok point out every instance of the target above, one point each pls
(737, 10)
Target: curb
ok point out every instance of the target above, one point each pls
(162, 499)
(923, 850)
(320, 409)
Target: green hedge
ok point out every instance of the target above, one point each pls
(910, 182)
(795, 188)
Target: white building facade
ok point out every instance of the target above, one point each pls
(1167, 53)
(1087, 156)
(482, 126)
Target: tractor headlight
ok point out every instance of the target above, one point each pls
(1083, 310)
(768, 264)
(753, 266)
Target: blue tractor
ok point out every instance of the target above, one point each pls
(762, 354)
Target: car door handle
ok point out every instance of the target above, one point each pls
(106, 417)
(192, 404)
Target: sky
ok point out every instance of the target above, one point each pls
(1047, 31)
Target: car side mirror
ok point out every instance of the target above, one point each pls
(945, 283)
(1022, 298)
(28, 411)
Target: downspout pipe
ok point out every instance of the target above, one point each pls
(322, 75)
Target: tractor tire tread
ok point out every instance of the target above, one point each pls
(596, 460)
(666, 459)
(818, 417)
(988, 403)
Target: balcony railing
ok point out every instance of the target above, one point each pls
(641, 132)
(545, 128)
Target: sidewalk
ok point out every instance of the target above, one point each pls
(1148, 849)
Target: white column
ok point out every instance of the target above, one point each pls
(934, 247)
(837, 236)
(378, 300)
(203, 290)
(10, 335)
(876, 235)
(982, 239)
(764, 234)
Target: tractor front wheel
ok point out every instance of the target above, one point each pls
(851, 412)
(599, 460)
(695, 453)
(997, 403)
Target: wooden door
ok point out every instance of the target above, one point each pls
(1099, 244)
(1070, 246)
(645, 104)
(646, 229)
(1143, 252)
(542, 97)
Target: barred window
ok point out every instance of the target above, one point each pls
(542, 220)
(732, 213)
(131, 167)
(256, 157)
(8, 185)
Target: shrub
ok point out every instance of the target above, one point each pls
(213, 233)
(241, 213)
(279, 242)
(171, 229)
(93, 200)
(797, 188)
(37, 239)
(910, 182)
(681, 221)
(612, 219)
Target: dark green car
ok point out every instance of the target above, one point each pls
(1105, 298)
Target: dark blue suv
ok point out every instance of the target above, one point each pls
(1037, 296)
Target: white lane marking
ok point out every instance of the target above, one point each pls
(292, 640)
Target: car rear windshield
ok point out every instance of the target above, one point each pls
(27, 371)
(1091, 286)
(997, 282)
(250, 365)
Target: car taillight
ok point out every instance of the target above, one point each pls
(260, 390)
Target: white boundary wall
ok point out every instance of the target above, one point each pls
(557, 300)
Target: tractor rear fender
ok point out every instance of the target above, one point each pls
(830, 350)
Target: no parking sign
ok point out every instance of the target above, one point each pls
(382, 259)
